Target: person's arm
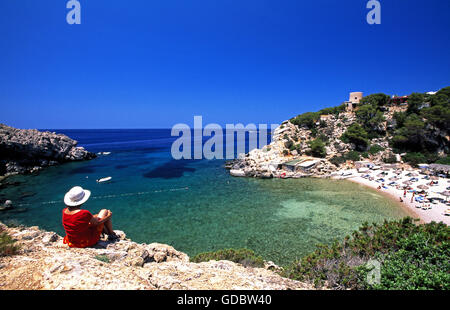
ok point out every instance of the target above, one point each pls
(96, 220)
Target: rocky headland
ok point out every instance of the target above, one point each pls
(44, 262)
(28, 150)
(376, 129)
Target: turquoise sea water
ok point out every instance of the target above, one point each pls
(195, 206)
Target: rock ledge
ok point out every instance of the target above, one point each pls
(44, 262)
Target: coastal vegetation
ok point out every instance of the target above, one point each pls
(7, 244)
(417, 129)
(411, 257)
(244, 257)
(422, 128)
(352, 155)
(103, 258)
(357, 135)
(317, 148)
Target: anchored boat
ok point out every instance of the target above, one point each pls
(102, 180)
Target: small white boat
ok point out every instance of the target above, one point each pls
(102, 180)
(237, 172)
(106, 153)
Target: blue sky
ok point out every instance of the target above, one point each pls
(152, 64)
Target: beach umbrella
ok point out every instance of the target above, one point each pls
(446, 194)
(423, 187)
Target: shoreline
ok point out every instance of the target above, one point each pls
(395, 199)
(425, 216)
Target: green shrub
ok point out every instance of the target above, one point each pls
(103, 258)
(414, 158)
(324, 138)
(307, 119)
(444, 160)
(371, 119)
(375, 149)
(338, 160)
(412, 135)
(411, 257)
(333, 110)
(400, 118)
(245, 257)
(7, 246)
(391, 159)
(353, 155)
(317, 148)
(415, 100)
(288, 144)
(357, 135)
(375, 100)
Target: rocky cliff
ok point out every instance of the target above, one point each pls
(378, 128)
(25, 151)
(44, 262)
(317, 149)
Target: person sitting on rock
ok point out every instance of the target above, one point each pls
(82, 228)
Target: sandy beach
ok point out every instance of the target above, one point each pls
(425, 211)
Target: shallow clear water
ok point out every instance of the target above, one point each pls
(196, 206)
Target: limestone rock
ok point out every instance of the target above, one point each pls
(50, 237)
(28, 150)
(44, 262)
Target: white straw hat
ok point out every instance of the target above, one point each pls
(76, 196)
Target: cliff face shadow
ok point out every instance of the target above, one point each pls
(170, 170)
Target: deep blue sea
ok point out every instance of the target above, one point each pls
(194, 205)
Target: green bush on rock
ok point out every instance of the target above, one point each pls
(7, 246)
(411, 257)
(246, 257)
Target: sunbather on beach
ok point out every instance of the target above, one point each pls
(82, 228)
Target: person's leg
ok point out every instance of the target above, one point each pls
(107, 228)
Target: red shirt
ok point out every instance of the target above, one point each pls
(79, 233)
